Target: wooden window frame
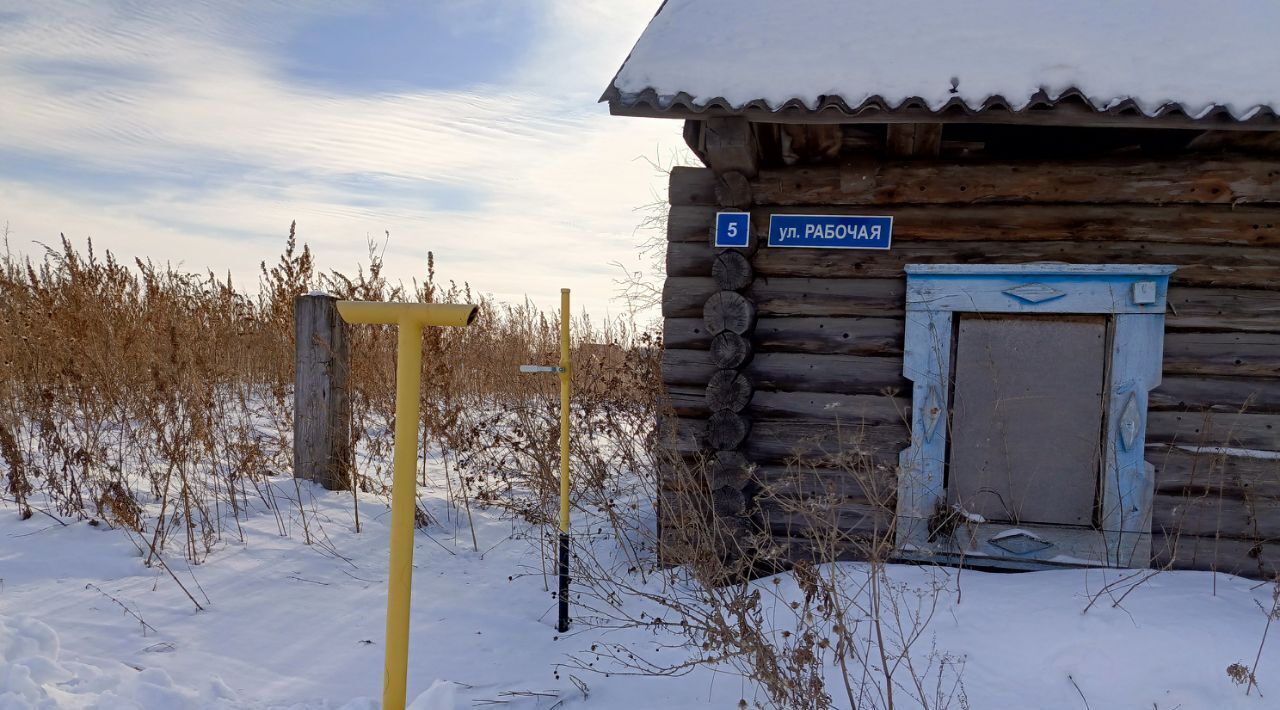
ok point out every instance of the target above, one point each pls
(1134, 296)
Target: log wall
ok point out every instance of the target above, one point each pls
(818, 370)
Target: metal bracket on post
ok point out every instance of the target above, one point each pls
(553, 369)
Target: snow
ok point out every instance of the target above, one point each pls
(1233, 451)
(1015, 532)
(971, 517)
(293, 625)
(1195, 53)
(288, 624)
(33, 674)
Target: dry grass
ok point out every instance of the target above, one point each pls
(161, 401)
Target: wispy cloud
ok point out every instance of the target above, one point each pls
(190, 133)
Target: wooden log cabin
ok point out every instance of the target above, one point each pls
(1071, 344)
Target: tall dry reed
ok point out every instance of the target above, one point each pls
(161, 400)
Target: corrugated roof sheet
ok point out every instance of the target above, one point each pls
(1175, 60)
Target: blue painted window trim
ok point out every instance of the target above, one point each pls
(1134, 296)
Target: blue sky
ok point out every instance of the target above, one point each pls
(398, 46)
(194, 132)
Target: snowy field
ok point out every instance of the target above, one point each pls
(287, 624)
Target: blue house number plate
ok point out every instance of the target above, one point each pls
(733, 229)
(830, 231)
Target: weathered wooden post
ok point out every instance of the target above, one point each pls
(321, 406)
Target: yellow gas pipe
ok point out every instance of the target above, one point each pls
(410, 319)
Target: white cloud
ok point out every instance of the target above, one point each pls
(556, 179)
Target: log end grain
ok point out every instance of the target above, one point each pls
(731, 271)
(729, 311)
(729, 390)
(727, 430)
(730, 350)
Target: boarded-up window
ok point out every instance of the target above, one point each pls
(1027, 417)
(1028, 407)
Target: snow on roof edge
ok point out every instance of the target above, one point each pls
(683, 105)
(668, 72)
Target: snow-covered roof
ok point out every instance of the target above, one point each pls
(1185, 59)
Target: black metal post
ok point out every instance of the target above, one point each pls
(563, 624)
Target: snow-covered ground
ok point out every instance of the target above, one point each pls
(295, 625)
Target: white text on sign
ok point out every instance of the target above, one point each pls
(830, 231)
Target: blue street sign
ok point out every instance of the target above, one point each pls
(830, 231)
(733, 229)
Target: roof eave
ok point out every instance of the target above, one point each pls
(1059, 115)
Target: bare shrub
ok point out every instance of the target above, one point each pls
(820, 635)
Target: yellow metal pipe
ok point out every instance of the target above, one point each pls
(564, 410)
(410, 319)
(403, 501)
(419, 314)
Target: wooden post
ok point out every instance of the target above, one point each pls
(914, 139)
(321, 407)
(730, 143)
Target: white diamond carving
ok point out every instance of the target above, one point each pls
(1035, 293)
(932, 411)
(1129, 422)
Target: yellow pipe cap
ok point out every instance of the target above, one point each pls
(419, 314)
